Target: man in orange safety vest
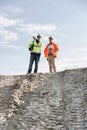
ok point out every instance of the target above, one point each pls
(50, 53)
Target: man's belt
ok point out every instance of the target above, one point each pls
(50, 54)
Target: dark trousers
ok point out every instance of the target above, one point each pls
(34, 57)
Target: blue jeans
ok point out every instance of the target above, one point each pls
(34, 57)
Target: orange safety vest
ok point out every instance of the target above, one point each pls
(54, 50)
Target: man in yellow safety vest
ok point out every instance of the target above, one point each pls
(35, 49)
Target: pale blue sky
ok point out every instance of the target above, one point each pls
(65, 20)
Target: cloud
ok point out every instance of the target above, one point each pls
(17, 10)
(37, 28)
(80, 49)
(14, 47)
(5, 33)
(45, 38)
(6, 22)
(2, 43)
(11, 36)
(18, 25)
(63, 35)
(30, 28)
(22, 27)
(10, 46)
(11, 10)
(71, 63)
(8, 36)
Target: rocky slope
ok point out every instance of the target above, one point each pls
(56, 101)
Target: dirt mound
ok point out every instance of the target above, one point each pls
(55, 101)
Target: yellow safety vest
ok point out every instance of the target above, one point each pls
(36, 46)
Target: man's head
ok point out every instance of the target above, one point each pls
(38, 36)
(50, 38)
